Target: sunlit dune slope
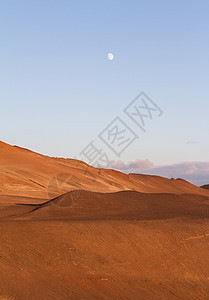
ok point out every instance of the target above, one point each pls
(29, 174)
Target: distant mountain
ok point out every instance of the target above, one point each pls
(205, 186)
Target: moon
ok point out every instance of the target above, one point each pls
(110, 56)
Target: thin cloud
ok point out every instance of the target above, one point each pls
(132, 166)
(191, 142)
(195, 172)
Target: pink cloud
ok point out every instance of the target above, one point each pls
(195, 172)
(132, 166)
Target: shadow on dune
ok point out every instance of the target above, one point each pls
(124, 205)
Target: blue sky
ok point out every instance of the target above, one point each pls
(59, 91)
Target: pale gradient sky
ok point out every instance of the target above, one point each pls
(59, 91)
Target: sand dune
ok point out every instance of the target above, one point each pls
(126, 205)
(29, 174)
(90, 245)
(71, 231)
(123, 259)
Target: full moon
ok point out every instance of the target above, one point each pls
(110, 56)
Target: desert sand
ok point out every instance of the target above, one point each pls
(71, 231)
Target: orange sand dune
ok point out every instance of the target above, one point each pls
(102, 235)
(123, 245)
(125, 205)
(29, 174)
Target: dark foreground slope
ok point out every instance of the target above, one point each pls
(161, 259)
(126, 205)
(124, 245)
